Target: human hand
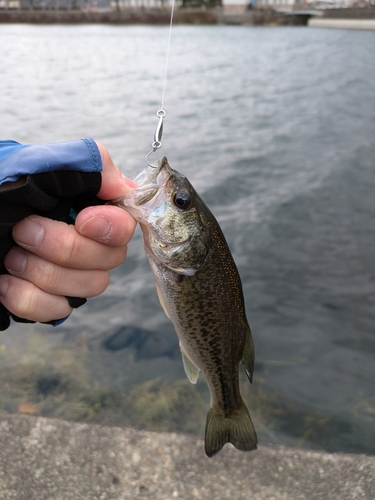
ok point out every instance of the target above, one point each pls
(53, 260)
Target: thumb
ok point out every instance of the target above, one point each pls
(114, 183)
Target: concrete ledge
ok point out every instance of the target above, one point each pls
(268, 17)
(353, 24)
(45, 459)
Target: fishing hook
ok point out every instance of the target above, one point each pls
(157, 135)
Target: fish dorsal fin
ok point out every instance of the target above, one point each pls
(161, 300)
(248, 355)
(191, 370)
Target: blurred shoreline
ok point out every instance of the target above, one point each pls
(354, 17)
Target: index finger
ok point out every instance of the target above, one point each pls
(61, 244)
(107, 224)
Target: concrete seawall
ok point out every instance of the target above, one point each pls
(353, 24)
(151, 16)
(355, 18)
(45, 459)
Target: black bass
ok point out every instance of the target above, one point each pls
(201, 292)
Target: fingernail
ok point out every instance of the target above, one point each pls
(129, 182)
(29, 233)
(4, 284)
(15, 261)
(98, 228)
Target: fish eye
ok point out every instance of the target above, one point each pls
(182, 200)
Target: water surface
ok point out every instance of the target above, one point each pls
(275, 128)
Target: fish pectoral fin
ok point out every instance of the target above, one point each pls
(237, 429)
(161, 300)
(248, 355)
(191, 370)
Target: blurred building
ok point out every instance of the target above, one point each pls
(304, 3)
(91, 5)
(229, 5)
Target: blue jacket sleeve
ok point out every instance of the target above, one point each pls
(18, 159)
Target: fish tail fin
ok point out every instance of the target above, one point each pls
(236, 428)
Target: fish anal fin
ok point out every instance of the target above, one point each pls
(191, 370)
(237, 429)
(161, 300)
(248, 355)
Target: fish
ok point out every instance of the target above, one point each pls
(200, 290)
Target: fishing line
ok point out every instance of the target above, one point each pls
(167, 58)
(161, 112)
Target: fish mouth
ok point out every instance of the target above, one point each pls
(154, 175)
(149, 192)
